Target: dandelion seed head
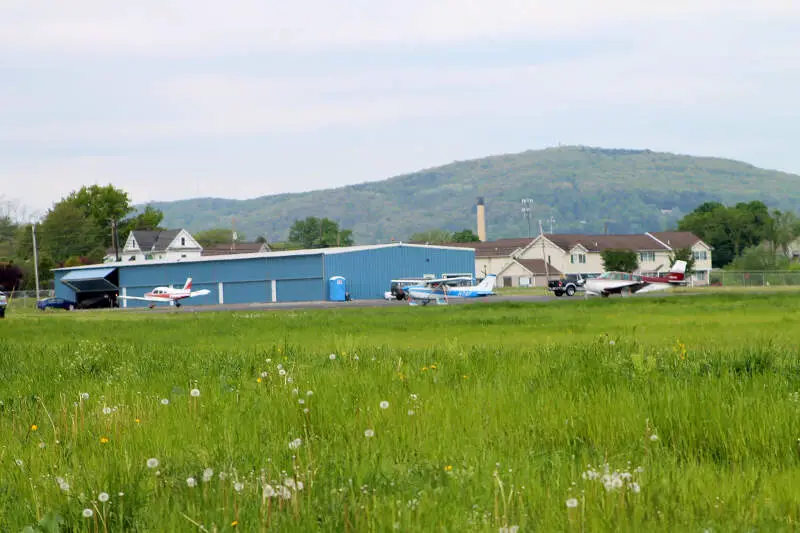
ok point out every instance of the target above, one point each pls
(84, 396)
(164, 401)
(572, 503)
(281, 372)
(106, 410)
(410, 412)
(195, 393)
(653, 438)
(369, 433)
(103, 497)
(238, 486)
(332, 356)
(87, 513)
(208, 474)
(152, 462)
(384, 404)
(191, 482)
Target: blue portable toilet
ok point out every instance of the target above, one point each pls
(337, 289)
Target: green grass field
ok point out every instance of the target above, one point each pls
(642, 414)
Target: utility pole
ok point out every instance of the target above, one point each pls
(115, 239)
(551, 224)
(527, 208)
(544, 254)
(35, 260)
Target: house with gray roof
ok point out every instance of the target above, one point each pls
(171, 244)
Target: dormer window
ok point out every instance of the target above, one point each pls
(183, 241)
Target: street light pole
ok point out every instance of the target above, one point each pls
(527, 208)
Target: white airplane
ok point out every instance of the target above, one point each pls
(168, 294)
(438, 290)
(626, 284)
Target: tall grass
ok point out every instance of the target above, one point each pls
(675, 414)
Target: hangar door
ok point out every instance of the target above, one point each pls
(94, 287)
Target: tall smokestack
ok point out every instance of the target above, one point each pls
(481, 219)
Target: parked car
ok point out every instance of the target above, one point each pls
(3, 304)
(568, 284)
(56, 303)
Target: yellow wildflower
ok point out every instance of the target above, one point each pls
(103, 440)
(448, 468)
(34, 427)
(136, 420)
(258, 380)
(235, 523)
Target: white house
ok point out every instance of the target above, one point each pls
(151, 245)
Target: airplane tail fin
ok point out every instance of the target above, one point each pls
(488, 283)
(678, 271)
(188, 285)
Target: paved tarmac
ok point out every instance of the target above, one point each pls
(355, 303)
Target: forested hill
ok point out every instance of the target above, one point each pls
(582, 188)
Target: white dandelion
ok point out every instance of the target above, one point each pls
(195, 393)
(635, 487)
(369, 433)
(264, 374)
(572, 503)
(281, 372)
(301, 401)
(84, 396)
(191, 482)
(305, 410)
(152, 462)
(164, 401)
(332, 356)
(64, 486)
(269, 492)
(410, 412)
(208, 474)
(296, 443)
(87, 513)
(653, 438)
(384, 404)
(310, 393)
(106, 410)
(238, 486)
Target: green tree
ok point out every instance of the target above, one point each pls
(683, 254)
(216, 236)
(465, 235)
(314, 232)
(433, 236)
(729, 229)
(101, 204)
(148, 220)
(620, 260)
(785, 228)
(66, 232)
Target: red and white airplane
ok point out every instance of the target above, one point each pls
(626, 284)
(169, 295)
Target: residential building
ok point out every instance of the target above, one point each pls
(528, 262)
(172, 244)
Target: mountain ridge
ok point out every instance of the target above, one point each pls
(585, 189)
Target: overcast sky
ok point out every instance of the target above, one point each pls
(172, 99)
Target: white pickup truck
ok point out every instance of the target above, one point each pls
(3, 304)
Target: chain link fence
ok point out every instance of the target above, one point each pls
(767, 278)
(27, 298)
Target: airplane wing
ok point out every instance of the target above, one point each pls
(144, 299)
(202, 292)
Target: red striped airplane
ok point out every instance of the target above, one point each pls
(169, 295)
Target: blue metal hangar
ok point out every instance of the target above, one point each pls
(292, 276)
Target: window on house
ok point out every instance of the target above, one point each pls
(577, 258)
(183, 241)
(700, 276)
(700, 256)
(648, 257)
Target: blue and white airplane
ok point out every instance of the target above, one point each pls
(439, 290)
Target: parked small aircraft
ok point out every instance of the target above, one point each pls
(439, 290)
(169, 295)
(626, 284)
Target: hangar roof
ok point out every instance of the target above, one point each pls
(265, 255)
